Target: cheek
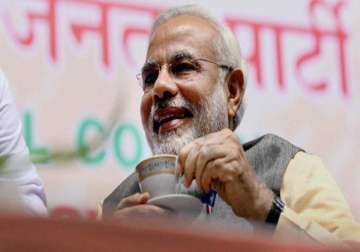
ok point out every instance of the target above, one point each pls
(145, 108)
(197, 90)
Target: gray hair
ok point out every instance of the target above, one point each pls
(226, 45)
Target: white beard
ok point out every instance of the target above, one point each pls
(209, 116)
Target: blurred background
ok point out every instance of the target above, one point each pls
(72, 65)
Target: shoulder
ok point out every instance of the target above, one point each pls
(306, 166)
(307, 180)
(272, 145)
(305, 170)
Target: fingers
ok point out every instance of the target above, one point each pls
(183, 155)
(197, 158)
(142, 211)
(195, 145)
(210, 172)
(133, 200)
(217, 172)
(206, 155)
(190, 165)
(200, 166)
(194, 157)
(135, 206)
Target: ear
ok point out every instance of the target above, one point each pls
(236, 89)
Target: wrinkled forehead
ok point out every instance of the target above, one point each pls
(191, 34)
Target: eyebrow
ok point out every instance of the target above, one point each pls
(178, 55)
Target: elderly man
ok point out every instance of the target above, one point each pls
(194, 83)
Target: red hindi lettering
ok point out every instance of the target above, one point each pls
(318, 35)
(318, 86)
(279, 30)
(102, 29)
(129, 32)
(254, 59)
(136, 31)
(48, 18)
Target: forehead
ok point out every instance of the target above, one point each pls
(192, 34)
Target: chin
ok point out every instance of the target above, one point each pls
(172, 142)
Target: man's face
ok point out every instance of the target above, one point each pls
(182, 103)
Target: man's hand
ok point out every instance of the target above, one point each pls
(217, 161)
(135, 206)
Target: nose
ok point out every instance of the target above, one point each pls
(165, 85)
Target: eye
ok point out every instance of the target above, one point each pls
(183, 68)
(149, 78)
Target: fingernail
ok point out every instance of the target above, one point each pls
(144, 197)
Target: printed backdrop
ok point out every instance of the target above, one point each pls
(72, 67)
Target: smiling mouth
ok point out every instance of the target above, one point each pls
(170, 118)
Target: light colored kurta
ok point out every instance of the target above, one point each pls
(315, 206)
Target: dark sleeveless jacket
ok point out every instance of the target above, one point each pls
(268, 155)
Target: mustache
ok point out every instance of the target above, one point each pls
(172, 102)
